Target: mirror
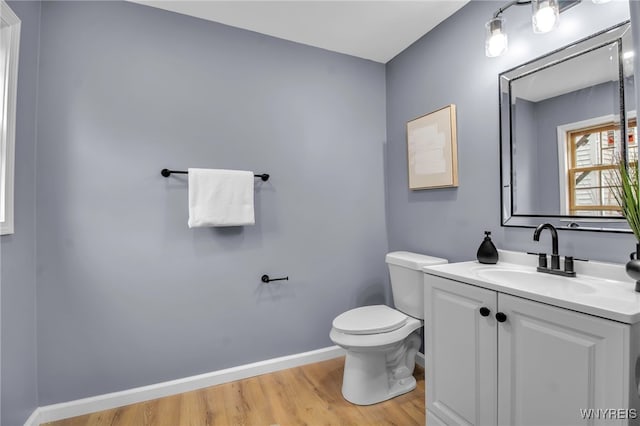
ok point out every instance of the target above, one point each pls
(9, 47)
(565, 121)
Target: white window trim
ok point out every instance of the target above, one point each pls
(563, 161)
(10, 27)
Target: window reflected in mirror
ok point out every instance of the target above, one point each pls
(593, 155)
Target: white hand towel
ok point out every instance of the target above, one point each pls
(220, 198)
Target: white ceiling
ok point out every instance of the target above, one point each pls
(375, 30)
(594, 67)
(601, 65)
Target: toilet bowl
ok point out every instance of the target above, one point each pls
(379, 363)
(381, 342)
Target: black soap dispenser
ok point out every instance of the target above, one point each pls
(487, 252)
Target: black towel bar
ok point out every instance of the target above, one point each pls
(167, 173)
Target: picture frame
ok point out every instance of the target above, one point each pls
(432, 150)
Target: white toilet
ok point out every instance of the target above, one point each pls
(382, 342)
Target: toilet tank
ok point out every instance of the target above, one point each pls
(407, 280)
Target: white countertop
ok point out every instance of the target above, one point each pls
(601, 289)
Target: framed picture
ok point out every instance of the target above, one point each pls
(432, 150)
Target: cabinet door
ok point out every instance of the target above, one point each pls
(553, 363)
(460, 352)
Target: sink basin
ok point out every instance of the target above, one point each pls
(533, 280)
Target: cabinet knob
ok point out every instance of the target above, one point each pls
(484, 311)
(501, 317)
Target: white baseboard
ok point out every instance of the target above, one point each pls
(420, 359)
(50, 413)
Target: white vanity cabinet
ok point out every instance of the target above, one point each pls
(497, 359)
(461, 348)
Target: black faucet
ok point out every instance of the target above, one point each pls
(555, 257)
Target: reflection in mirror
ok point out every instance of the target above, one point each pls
(566, 120)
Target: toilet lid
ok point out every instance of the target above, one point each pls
(369, 320)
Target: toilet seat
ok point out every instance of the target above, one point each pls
(377, 341)
(372, 327)
(370, 320)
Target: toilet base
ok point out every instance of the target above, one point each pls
(374, 375)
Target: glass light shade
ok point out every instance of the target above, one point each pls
(496, 38)
(601, 1)
(545, 15)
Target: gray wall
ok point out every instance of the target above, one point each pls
(597, 101)
(446, 66)
(127, 294)
(17, 260)
(536, 147)
(525, 157)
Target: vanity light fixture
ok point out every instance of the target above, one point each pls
(496, 40)
(545, 16)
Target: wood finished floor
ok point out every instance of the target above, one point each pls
(307, 395)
